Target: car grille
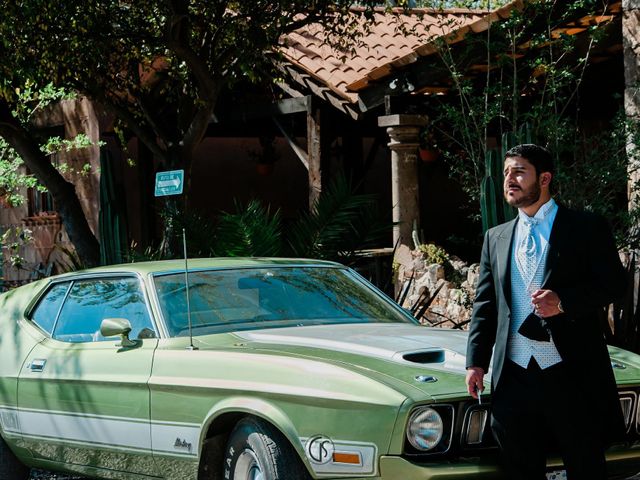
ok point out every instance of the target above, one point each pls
(628, 402)
(472, 431)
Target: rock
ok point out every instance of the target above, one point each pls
(452, 301)
(435, 272)
(404, 257)
(472, 276)
(457, 263)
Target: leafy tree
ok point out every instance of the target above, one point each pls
(12, 179)
(538, 86)
(158, 66)
(22, 143)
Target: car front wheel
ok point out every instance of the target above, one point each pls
(10, 466)
(257, 451)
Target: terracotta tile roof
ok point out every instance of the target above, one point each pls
(393, 39)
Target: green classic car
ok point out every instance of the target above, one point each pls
(243, 369)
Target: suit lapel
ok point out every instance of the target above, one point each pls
(504, 241)
(555, 242)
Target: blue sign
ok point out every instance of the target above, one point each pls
(169, 183)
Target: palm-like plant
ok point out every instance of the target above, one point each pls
(251, 232)
(340, 223)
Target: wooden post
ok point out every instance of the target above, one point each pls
(403, 134)
(631, 49)
(314, 152)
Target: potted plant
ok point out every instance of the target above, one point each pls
(428, 147)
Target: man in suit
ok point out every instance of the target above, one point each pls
(543, 279)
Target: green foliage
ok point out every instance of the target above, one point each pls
(250, 232)
(199, 231)
(535, 90)
(593, 170)
(341, 224)
(29, 98)
(445, 4)
(434, 254)
(158, 66)
(491, 192)
(538, 87)
(57, 144)
(29, 101)
(494, 210)
(13, 241)
(12, 176)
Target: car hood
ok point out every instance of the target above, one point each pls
(401, 351)
(395, 354)
(409, 344)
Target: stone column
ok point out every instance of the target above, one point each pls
(403, 135)
(631, 49)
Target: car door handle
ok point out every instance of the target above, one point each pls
(37, 365)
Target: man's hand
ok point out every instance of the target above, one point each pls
(545, 303)
(474, 381)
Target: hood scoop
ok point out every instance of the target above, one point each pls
(425, 357)
(410, 345)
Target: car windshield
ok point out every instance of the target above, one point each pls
(254, 298)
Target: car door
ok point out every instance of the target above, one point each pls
(83, 398)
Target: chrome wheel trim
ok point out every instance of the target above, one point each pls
(247, 467)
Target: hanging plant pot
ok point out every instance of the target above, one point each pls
(264, 169)
(427, 155)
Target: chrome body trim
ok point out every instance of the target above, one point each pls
(464, 433)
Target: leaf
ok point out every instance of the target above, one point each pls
(340, 223)
(250, 232)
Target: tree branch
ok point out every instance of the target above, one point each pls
(127, 117)
(177, 37)
(64, 194)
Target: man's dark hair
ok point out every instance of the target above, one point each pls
(538, 156)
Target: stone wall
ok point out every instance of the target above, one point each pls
(452, 281)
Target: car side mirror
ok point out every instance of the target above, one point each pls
(110, 327)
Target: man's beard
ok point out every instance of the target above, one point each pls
(529, 197)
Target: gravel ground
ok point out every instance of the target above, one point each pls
(39, 475)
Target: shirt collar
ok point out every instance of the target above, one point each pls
(542, 214)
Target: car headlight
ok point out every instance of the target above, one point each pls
(425, 429)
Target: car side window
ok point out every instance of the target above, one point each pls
(91, 301)
(47, 310)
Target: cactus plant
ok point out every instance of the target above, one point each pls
(491, 203)
(493, 207)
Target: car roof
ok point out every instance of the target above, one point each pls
(167, 266)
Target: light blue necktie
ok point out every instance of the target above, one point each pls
(528, 250)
